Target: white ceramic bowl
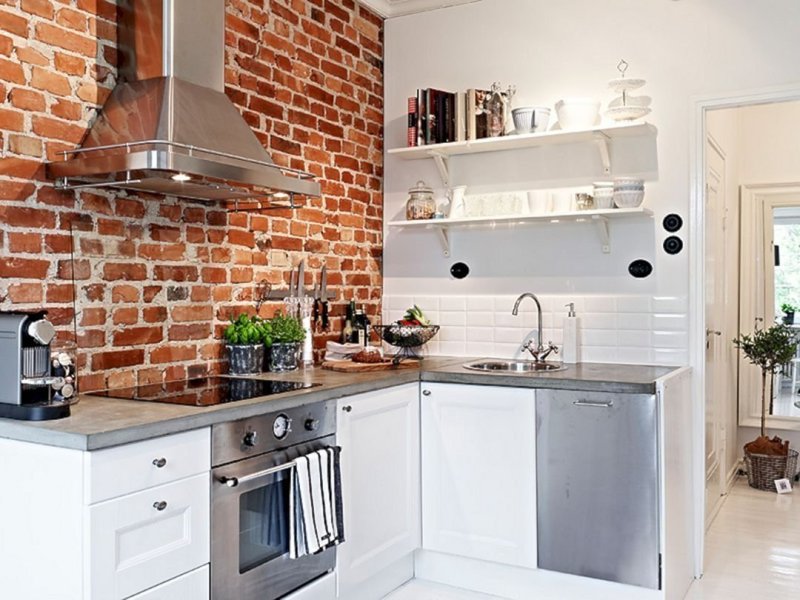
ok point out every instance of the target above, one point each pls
(630, 199)
(604, 200)
(577, 113)
(531, 119)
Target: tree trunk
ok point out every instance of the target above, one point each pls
(772, 394)
(763, 402)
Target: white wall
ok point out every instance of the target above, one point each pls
(550, 50)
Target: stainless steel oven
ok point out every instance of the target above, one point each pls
(250, 492)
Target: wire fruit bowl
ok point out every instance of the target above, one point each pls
(407, 337)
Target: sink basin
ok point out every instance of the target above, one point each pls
(513, 366)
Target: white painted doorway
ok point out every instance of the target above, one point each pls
(716, 392)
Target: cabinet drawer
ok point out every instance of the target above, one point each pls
(133, 467)
(141, 540)
(192, 586)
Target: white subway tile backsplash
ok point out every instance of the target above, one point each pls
(485, 303)
(480, 334)
(670, 304)
(633, 329)
(457, 303)
(634, 304)
(447, 317)
(665, 322)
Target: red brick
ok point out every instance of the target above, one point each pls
(70, 65)
(126, 315)
(170, 273)
(138, 336)
(194, 331)
(124, 271)
(154, 314)
(59, 293)
(93, 317)
(23, 267)
(124, 293)
(56, 36)
(25, 242)
(181, 314)
(25, 293)
(31, 56)
(42, 8)
(117, 359)
(13, 23)
(167, 354)
(21, 144)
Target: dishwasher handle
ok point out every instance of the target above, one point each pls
(594, 403)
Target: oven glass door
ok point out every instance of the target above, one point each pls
(264, 522)
(250, 529)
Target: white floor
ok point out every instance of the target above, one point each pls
(425, 590)
(752, 551)
(752, 547)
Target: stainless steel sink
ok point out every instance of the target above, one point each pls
(514, 366)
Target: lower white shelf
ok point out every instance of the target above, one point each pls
(598, 218)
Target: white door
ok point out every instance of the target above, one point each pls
(379, 436)
(716, 392)
(479, 472)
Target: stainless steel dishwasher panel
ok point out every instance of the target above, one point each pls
(597, 485)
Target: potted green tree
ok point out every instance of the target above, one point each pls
(768, 459)
(287, 334)
(788, 313)
(246, 340)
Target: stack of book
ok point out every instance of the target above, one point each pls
(438, 117)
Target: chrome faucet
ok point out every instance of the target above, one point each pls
(538, 351)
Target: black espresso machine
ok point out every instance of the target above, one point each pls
(34, 386)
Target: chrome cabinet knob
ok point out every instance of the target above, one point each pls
(159, 506)
(347, 408)
(159, 463)
(426, 392)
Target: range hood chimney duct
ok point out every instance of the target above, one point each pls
(168, 126)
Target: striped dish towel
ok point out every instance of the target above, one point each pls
(315, 503)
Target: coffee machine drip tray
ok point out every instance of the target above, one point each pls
(205, 391)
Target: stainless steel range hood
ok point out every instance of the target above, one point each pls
(167, 127)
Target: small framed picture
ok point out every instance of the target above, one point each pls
(783, 486)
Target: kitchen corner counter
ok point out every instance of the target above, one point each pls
(98, 422)
(581, 377)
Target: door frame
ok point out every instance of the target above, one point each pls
(699, 106)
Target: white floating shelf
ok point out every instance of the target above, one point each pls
(601, 136)
(599, 218)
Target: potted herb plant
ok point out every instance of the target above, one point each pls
(287, 334)
(768, 459)
(247, 338)
(788, 313)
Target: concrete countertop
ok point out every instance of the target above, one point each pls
(104, 422)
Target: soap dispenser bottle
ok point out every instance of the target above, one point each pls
(569, 347)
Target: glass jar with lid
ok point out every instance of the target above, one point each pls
(420, 203)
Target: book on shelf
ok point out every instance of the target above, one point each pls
(412, 121)
(437, 116)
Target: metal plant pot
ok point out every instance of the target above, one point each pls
(244, 359)
(283, 357)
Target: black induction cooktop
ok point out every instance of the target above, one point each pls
(206, 391)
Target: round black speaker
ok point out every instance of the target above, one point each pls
(673, 244)
(673, 223)
(459, 270)
(640, 268)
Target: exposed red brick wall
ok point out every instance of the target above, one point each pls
(156, 277)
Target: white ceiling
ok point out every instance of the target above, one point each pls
(397, 8)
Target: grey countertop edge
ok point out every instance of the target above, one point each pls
(443, 370)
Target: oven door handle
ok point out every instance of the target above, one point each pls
(234, 481)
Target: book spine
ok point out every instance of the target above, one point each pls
(411, 139)
(460, 117)
(470, 116)
(429, 119)
(420, 118)
(451, 117)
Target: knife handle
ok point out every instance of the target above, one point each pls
(324, 311)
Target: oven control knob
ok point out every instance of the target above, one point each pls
(250, 438)
(312, 424)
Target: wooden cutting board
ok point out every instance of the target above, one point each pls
(347, 366)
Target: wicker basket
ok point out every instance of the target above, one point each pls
(763, 470)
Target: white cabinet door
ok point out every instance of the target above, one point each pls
(143, 539)
(479, 472)
(191, 586)
(379, 436)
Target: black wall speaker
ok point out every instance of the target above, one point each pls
(640, 268)
(673, 244)
(673, 223)
(459, 270)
